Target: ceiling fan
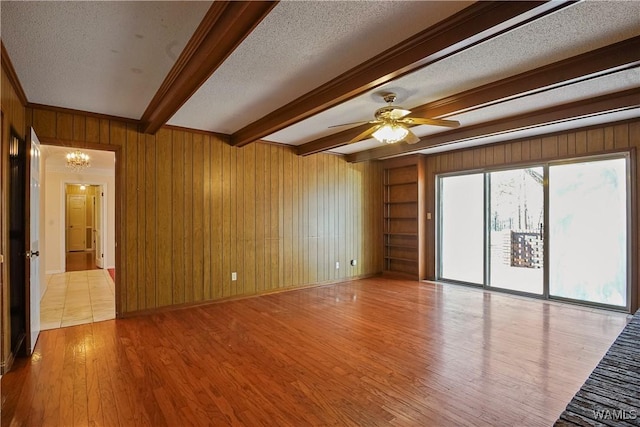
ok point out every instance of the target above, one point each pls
(392, 123)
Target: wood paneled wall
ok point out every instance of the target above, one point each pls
(583, 142)
(194, 209)
(13, 116)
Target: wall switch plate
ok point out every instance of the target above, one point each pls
(337, 265)
(428, 215)
(234, 276)
(354, 262)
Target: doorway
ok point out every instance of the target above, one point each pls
(83, 227)
(557, 230)
(80, 224)
(516, 241)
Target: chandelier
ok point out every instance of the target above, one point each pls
(77, 160)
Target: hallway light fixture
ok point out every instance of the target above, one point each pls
(77, 160)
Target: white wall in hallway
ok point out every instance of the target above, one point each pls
(55, 179)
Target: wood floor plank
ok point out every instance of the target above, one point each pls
(100, 348)
(371, 352)
(95, 416)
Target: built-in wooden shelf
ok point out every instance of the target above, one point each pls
(414, 202)
(401, 215)
(401, 259)
(401, 246)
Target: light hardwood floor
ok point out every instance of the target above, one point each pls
(372, 352)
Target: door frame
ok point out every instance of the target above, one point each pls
(66, 218)
(63, 209)
(100, 224)
(118, 152)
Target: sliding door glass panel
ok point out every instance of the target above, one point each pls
(462, 228)
(516, 230)
(588, 231)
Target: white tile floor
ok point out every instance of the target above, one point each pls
(76, 298)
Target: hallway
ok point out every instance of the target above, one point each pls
(80, 261)
(76, 298)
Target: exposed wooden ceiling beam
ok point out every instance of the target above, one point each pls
(607, 103)
(476, 23)
(578, 68)
(224, 27)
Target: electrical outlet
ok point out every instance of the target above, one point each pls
(234, 276)
(354, 262)
(337, 265)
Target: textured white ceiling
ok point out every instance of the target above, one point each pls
(297, 47)
(104, 57)
(615, 82)
(111, 57)
(566, 33)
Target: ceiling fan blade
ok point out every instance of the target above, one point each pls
(433, 122)
(412, 138)
(365, 134)
(398, 113)
(350, 124)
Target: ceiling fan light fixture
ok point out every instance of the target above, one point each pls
(391, 133)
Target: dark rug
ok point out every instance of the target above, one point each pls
(611, 394)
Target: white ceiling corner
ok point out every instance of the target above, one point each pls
(106, 57)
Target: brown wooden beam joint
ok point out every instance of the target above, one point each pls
(476, 23)
(224, 27)
(592, 64)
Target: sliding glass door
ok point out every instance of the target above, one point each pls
(461, 228)
(492, 230)
(588, 231)
(516, 225)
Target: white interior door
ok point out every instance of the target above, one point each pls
(98, 228)
(76, 222)
(34, 250)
